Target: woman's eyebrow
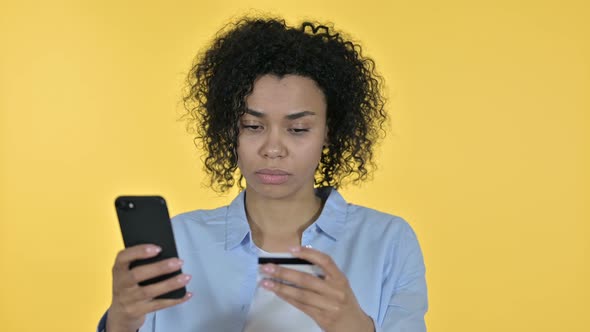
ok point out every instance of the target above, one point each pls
(291, 116)
(298, 115)
(255, 113)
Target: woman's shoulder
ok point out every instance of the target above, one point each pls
(204, 227)
(363, 222)
(214, 216)
(200, 222)
(342, 214)
(370, 217)
(200, 216)
(360, 213)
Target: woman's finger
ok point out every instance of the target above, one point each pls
(149, 292)
(128, 255)
(320, 259)
(300, 295)
(142, 308)
(165, 303)
(149, 271)
(300, 279)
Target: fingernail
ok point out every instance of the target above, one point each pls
(268, 284)
(268, 268)
(189, 295)
(153, 249)
(295, 249)
(183, 278)
(175, 263)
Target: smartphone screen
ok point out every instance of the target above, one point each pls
(145, 220)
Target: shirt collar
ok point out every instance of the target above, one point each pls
(236, 222)
(330, 221)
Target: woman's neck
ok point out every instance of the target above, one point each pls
(278, 224)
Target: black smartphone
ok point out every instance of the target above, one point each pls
(145, 220)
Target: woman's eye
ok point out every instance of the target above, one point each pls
(252, 127)
(299, 130)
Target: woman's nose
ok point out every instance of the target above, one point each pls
(273, 146)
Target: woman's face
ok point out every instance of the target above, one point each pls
(282, 135)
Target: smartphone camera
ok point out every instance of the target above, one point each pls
(125, 204)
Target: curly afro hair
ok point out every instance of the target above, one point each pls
(223, 75)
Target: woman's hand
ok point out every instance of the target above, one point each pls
(330, 301)
(131, 302)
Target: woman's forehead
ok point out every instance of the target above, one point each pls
(286, 95)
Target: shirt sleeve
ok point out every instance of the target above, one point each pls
(102, 324)
(409, 301)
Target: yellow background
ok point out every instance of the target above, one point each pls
(487, 156)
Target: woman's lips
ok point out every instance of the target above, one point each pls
(272, 176)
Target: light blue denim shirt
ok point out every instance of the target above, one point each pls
(378, 252)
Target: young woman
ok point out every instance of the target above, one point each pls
(293, 112)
